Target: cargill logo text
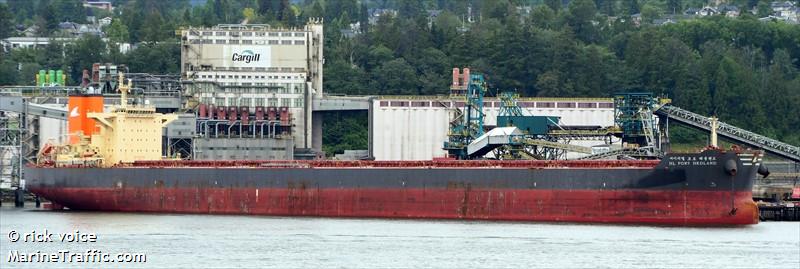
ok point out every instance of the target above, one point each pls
(247, 56)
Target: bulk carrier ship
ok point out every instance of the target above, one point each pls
(116, 165)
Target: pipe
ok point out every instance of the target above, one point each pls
(274, 128)
(713, 131)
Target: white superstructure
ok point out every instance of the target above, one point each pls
(256, 65)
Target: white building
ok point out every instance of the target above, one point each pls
(256, 65)
(404, 128)
(32, 42)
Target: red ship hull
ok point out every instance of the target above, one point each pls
(709, 188)
(650, 207)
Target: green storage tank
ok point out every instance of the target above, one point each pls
(51, 77)
(41, 79)
(59, 78)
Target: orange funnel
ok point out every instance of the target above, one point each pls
(78, 107)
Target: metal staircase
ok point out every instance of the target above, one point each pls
(731, 132)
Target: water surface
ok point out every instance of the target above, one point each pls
(190, 241)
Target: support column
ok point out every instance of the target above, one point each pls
(316, 131)
(19, 197)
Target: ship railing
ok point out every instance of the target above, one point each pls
(329, 164)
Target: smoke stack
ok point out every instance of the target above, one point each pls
(456, 73)
(86, 79)
(466, 76)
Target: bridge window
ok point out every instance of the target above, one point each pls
(566, 105)
(420, 104)
(545, 104)
(399, 103)
(606, 105)
(587, 105)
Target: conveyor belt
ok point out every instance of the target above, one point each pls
(731, 132)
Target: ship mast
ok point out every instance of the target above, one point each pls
(123, 89)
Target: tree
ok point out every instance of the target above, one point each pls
(117, 32)
(152, 30)
(763, 9)
(674, 6)
(84, 52)
(48, 22)
(581, 14)
(268, 8)
(554, 5)
(158, 58)
(650, 12)
(6, 22)
(542, 16)
(285, 13)
(249, 14)
(632, 6)
(71, 10)
(8, 72)
(395, 77)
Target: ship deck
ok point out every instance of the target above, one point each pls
(526, 164)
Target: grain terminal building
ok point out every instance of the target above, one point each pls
(253, 70)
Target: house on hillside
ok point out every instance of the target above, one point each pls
(376, 13)
(77, 29)
(707, 11)
(665, 21)
(729, 10)
(786, 11)
(105, 5)
(692, 11)
(778, 7)
(104, 21)
(432, 15)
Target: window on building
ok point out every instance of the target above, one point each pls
(286, 102)
(298, 102)
(273, 42)
(260, 34)
(286, 34)
(234, 41)
(299, 34)
(286, 42)
(273, 102)
(260, 101)
(273, 34)
(566, 105)
(245, 102)
(247, 33)
(220, 33)
(298, 88)
(299, 42)
(247, 41)
(219, 41)
(219, 101)
(207, 33)
(207, 41)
